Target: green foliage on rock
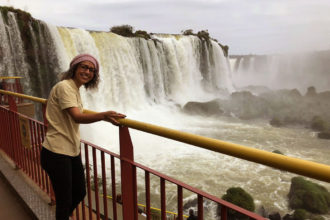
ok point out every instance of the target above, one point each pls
(241, 198)
(276, 122)
(300, 214)
(188, 32)
(123, 30)
(142, 34)
(318, 124)
(204, 35)
(128, 31)
(307, 195)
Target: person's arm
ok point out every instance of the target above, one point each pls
(82, 118)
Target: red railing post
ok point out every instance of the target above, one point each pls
(12, 131)
(128, 182)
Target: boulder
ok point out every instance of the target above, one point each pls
(324, 135)
(307, 195)
(276, 122)
(318, 124)
(311, 91)
(239, 197)
(205, 108)
(274, 216)
(245, 105)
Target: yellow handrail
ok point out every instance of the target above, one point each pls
(11, 77)
(32, 98)
(294, 165)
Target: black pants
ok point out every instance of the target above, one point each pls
(67, 176)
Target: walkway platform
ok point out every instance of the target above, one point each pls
(20, 200)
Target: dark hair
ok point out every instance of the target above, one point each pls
(69, 74)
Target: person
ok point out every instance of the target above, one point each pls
(191, 215)
(60, 154)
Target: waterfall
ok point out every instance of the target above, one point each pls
(166, 70)
(283, 71)
(136, 72)
(12, 51)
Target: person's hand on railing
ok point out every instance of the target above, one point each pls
(112, 117)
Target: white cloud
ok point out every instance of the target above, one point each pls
(254, 26)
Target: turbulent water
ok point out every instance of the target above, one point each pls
(150, 80)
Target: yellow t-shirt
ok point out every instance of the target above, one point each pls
(63, 135)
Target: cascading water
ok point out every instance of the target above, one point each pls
(283, 71)
(13, 54)
(150, 80)
(136, 72)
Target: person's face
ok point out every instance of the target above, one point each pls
(84, 73)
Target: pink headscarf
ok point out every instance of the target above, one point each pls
(85, 57)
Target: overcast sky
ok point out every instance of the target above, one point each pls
(246, 26)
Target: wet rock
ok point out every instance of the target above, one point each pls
(276, 122)
(309, 196)
(239, 197)
(274, 216)
(324, 135)
(288, 217)
(318, 124)
(277, 152)
(203, 108)
(300, 214)
(311, 91)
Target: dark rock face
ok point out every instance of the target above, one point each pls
(324, 135)
(311, 91)
(203, 108)
(307, 195)
(275, 216)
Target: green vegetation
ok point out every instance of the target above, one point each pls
(123, 30)
(307, 195)
(318, 124)
(204, 35)
(128, 31)
(239, 197)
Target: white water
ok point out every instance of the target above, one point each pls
(13, 57)
(283, 71)
(149, 82)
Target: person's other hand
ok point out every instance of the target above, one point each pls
(112, 116)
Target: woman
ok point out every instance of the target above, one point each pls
(60, 155)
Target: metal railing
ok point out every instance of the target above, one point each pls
(10, 83)
(97, 201)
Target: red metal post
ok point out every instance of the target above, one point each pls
(104, 186)
(128, 182)
(96, 185)
(200, 207)
(113, 187)
(223, 212)
(147, 180)
(88, 180)
(180, 203)
(162, 199)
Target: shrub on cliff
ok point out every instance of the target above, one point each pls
(204, 35)
(239, 197)
(142, 34)
(307, 195)
(123, 30)
(188, 32)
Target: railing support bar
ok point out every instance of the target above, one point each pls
(128, 183)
